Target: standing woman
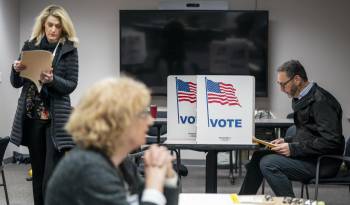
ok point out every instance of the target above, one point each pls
(41, 116)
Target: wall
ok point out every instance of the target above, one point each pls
(313, 31)
(317, 33)
(9, 38)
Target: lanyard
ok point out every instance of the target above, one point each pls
(54, 52)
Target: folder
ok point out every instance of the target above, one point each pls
(36, 61)
(267, 144)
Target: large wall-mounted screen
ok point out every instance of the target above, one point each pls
(158, 43)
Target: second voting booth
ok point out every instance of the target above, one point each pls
(211, 109)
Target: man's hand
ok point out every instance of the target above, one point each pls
(282, 149)
(278, 141)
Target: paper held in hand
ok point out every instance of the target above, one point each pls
(36, 61)
(267, 144)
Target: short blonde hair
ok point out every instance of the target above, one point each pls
(68, 30)
(105, 111)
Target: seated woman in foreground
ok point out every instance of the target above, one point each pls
(109, 122)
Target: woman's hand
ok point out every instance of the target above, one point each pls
(157, 156)
(18, 66)
(46, 76)
(157, 167)
(170, 172)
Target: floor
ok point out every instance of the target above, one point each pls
(20, 190)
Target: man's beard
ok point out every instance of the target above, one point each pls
(293, 91)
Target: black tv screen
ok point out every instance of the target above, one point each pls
(158, 43)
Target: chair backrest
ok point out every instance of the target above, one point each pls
(163, 130)
(3, 145)
(291, 131)
(347, 152)
(290, 116)
(162, 114)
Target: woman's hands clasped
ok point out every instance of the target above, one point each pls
(158, 167)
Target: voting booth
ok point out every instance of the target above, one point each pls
(211, 109)
(181, 103)
(225, 109)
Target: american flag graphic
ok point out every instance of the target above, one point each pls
(224, 94)
(186, 91)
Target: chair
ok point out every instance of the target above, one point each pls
(237, 165)
(342, 177)
(154, 131)
(3, 145)
(291, 131)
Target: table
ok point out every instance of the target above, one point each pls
(225, 199)
(204, 199)
(211, 158)
(278, 124)
(213, 150)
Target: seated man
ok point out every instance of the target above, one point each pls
(318, 120)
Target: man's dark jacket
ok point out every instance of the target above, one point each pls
(318, 118)
(64, 82)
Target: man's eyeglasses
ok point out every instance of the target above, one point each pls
(283, 85)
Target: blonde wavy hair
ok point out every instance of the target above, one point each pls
(105, 111)
(68, 30)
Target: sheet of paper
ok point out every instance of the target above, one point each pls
(36, 61)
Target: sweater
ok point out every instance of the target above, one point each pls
(86, 176)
